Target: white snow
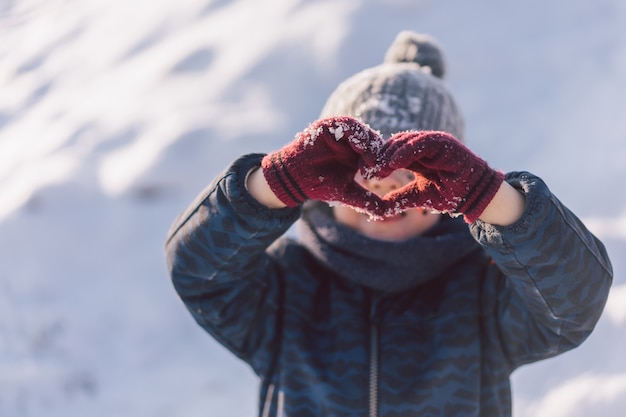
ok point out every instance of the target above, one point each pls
(581, 396)
(114, 115)
(338, 132)
(615, 309)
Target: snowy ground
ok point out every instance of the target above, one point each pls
(113, 115)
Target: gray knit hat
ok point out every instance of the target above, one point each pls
(405, 92)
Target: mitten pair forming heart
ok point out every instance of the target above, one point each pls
(322, 160)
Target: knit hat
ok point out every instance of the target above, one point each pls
(405, 92)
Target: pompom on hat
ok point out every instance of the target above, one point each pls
(405, 92)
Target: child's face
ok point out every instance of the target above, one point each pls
(410, 223)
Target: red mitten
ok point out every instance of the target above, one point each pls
(321, 162)
(451, 178)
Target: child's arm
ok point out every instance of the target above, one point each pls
(217, 259)
(217, 250)
(557, 274)
(261, 191)
(506, 207)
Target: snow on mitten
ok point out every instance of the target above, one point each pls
(450, 178)
(321, 163)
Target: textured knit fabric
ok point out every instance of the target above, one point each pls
(321, 162)
(450, 177)
(405, 92)
(324, 345)
(420, 49)
(382, 265)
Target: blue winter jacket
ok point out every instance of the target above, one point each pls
(324, 346)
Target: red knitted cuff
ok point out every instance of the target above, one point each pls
(480, 197)
(277, 175)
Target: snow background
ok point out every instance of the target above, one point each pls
(115, 114)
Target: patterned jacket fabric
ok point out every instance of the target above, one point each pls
(326, 346)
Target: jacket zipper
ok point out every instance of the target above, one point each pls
(269, 397)
(373, 394)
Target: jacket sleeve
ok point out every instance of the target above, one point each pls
(217, 259)
(555, 276)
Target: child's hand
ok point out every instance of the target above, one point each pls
(450, 179)
(321, 163)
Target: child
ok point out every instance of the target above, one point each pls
(389, 303)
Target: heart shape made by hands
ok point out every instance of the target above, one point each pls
(322, 161)
(449, 177)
